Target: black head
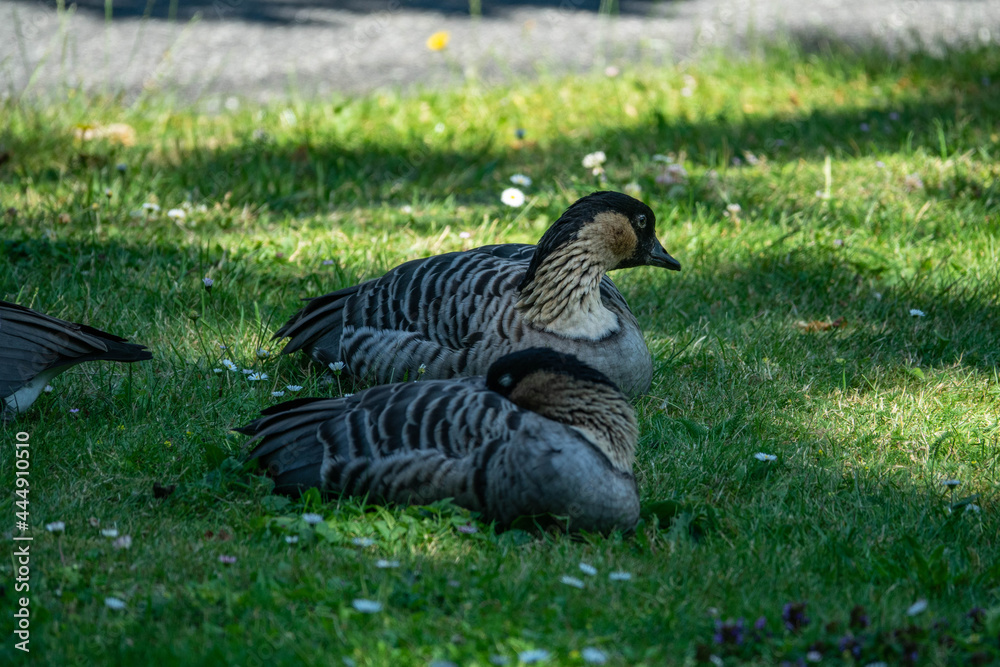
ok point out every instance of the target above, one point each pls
(507, 372)
(623, 224)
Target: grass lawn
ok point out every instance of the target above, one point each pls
(838, 220)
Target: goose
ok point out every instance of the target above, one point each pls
(541, 434)
(455, 314)
(34, 348)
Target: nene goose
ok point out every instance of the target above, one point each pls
(34, 348)
(455, 314)
(541, 434)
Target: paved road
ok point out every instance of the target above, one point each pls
(209, 50)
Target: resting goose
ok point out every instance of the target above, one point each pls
(541, 434)
(34, 348)
(455, 314)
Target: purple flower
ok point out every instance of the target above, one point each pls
(865, 127)
(794, 616)
(849, 643)
(978, 616)
(468, 529)
(729, 633)
(74, 410)
(760, 624)
(859, 618)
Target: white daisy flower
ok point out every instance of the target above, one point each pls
(48, 389)
(916, 312)
(588, 569)
(673, 174)
(913, 182)
(521, 179)
(216, 370)
(384, 564)
(114, 603)
(277, 394)
(228, 364)
(262, 353)
(123, 542)
(620, 576)
(254, 377)
(176, 214)
(151, 207)
(311, 518)
(917, 607)
(761, 456)
(362, 541)
(571, 581)
(55, 527)
(336, 366)
(294, 388)
(109, 532)
(422, 369)
(247, 371)
(291, 539)
(594, 160)
(633, 189)
(512, 197)
(464, 235)
(367, 606)
(533, 656)
(974, 508)
(593, 656)
(951, 482)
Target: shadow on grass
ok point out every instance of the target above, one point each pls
(945, 108)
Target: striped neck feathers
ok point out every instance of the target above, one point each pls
(561, 290)
(597, 410)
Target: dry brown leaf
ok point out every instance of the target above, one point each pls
(819, 325)
(115, 132)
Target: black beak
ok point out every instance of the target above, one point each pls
(659, 257)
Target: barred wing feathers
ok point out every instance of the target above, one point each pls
(34, 346)
(418, 442)
(452, 313)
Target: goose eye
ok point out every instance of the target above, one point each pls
(641, 220)
(506, 380)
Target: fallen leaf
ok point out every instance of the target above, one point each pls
(819, 325)
(116, 132)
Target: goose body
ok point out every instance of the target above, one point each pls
(457, 313)
(34, 348)
(541, 434)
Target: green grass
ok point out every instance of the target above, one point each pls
(866, 419)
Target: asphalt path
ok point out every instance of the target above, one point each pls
(215, 51)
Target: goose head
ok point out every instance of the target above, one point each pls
(562, 388)
(611, 229)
